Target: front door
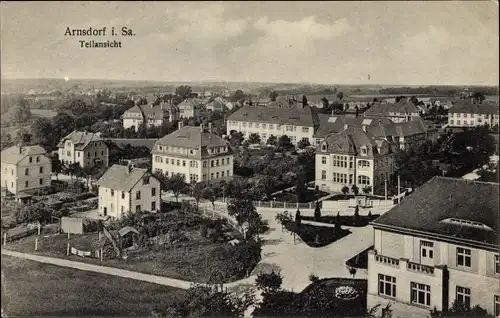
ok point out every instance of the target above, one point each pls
(105, 211)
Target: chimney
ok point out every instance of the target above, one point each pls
(152, 106)
(210, 127)
(201, 127)
(180, 124)
(346, 126)
(19, 148)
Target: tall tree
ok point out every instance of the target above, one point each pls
(177, 184)
(273, 95)
(254, 138)
(340, 95)
(284, 143)
(184, 91)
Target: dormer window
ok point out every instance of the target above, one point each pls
(145, 180)
(364, 151)
(323, 147)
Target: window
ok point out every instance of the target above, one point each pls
(264, 126)
(339, 177)
(145, 180)
(426, 249)
(217, 162)
(138, 208)
(26, 184)
(420, 294)
(211, 176)
(138, 195)
(222, 174)
(257, 125)
(178, 162)
(386, 285)
(153, 206)
(227, 173)
(41, 169)
(153, 192)
(458, 122)
(452, 122)
(112, 193)
(211, 163)
(497, 264)
(183, 163)
(27, 172)
(123, 194)
(463, 257)
(271, 126)
(497, 305)
(217, 175)
(364, 151)
(41, 181)
(204, 164)
(463, 296)
(102, 153)
(305, 129)
(364, 164)
(323, 174)
(95, 153)
(340, 161)
(78, 154)
(38, 159)
(204, 178)
(31, 159)
(364, 180)
(323, 160)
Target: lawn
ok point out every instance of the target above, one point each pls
(291, 196)
(346, 220)
(316, 300)
(194, 259)
(316, 236)
(36, 289)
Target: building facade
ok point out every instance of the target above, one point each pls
(151, 115)
(353, 157)
(25, 169)
(298, 123)
(397, 112)
(439, 246)
(467, 114)
(86, 148)
(124, 189)
(189, 108)
(195, 153)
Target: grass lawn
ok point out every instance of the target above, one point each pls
(347, 220)
(193, 260)
(36, 289)
(291, 196)
(316, 236)
(316, 300)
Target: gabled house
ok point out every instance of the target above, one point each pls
(189, 108)
(86, 148)
(397, 112)
(407, 135)
(25, 169)
(124, 189)
(437, 247)
(466, 114)
(151, 115)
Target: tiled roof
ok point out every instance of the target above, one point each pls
(305, 116)
(15, 154)
(80, 139)
(190, 103)
(464, 106)
(152, 112)
(192, 138)
(403, 129)
(118, 177)
(383, 109)
(329, 124)
(444, 198)
(351, 140)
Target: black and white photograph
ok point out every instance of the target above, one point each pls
(250, 159)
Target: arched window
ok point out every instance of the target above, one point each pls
(363, 163)
(364, 180)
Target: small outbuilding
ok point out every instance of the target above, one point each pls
(127, 237)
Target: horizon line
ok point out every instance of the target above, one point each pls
(243, 82)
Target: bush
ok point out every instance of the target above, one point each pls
(313, 278)
(460, 310)
(269, 282)
(317, 212)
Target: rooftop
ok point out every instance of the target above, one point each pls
(297, 116)
(384, 109)
(465, 106)
(15, 154)
(118, 177)
(430, 207)
(80, 139)
(193, 138)
(150, 111)
(329, 124)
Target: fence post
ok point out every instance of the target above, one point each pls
(39, 228)
(100, 254)
(284, 205)
(297, 205)
(68, 236)
(258, 203)
(36, 244)
(271, 204)
(4, 239)
(67, 249)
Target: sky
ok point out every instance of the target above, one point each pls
(396, 43)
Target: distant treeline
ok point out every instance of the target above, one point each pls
(438, 90)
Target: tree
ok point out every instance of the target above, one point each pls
(325, 103)
(478, 98)
(269, 282)
(317, 212)
(272, 140)
(237, 96)
(21, 111)
(273, 95)
(345, 190)
(236, 139)
(298, 218)
(304, 100)
(198, 193)
(268, 184)
(355, 189)
(243, 210)
(210, 193)
(177, 184)
(303, 143)
(254, 138)
(284, 143)
(367, 189)
(57, 166)
(340, 95)
(183, 91)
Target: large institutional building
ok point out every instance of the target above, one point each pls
(439, 246)
(197, 154)
(466, 114)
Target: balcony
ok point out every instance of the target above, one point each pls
(387, 260)
(420, 268)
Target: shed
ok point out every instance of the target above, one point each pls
(127, 237)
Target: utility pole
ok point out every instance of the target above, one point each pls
(399, 189)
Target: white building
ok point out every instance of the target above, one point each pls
(125, 189)
(438, 246)
(189, 108)
(25, 168)
(466, 114)
(86, 148)
(397, 112)
(298, 123)
(353, 157)
(149, 114)
(197, 154)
